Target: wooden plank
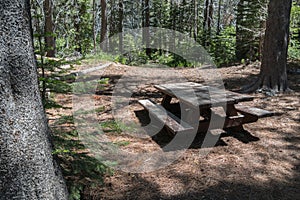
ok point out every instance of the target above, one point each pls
(198, 95)
(181, 92)
(258, 112)
(170, 120)
(239, 97)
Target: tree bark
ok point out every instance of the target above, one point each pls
(94, 25)
(103, 44)
(205, 15)
(206, 23)
(48, 29)
(195, 33)
(210, 17)
(273, 74)
(146, 28)
(240, 52)
(219, 18)
(120, 25)
(27, 168)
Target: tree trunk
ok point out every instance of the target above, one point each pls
(219, 18)
(120, 25)
(78, 43)
(27, 168)
(205, 23)
(103, 44)
(48, 29)
(195, 33)
(173, 12)
(240, 52)
(205, 15)
(210, 17)
(146, 28)
(94, 25)
(273, 76)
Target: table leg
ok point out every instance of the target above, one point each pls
(231, 111)
(190, 115)
(166, 101)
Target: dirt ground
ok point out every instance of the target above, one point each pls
(261, 163)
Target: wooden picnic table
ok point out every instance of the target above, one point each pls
(202, 107)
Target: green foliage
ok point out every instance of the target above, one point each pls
(118, 127)
(121, 59)
(251, 15)
(84, 87)
(89, 86)
(49, 103)
(122, 143)
(170, 59)
(136, 58)
(96, 58)
(294, 50)
(65, 119)
(54, 76)
(294, 45)
(79, 168)
(222, 47)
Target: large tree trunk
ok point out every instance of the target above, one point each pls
(48, 29)
(273, 74)
(27, 168)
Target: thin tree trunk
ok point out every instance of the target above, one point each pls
(120, 25)
(27, 168)
(239, 49)
(103, 44)
(94, 25)
(172, 44)
(205, 14)
(219, 17)
(195, 34)
(210, 17)
(146, 28)
(205, 22)
(48, 29)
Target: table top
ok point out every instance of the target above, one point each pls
(199, 95)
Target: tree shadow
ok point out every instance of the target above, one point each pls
(79, 167)
(236, 83)
(163, 136)
(144, 187)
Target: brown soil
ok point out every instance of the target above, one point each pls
(261, 163)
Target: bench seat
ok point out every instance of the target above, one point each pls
(257, 112)
(172, 122)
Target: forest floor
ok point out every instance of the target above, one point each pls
(261, 163)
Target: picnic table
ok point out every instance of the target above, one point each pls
(200, 107)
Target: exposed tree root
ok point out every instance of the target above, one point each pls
(267, 85)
